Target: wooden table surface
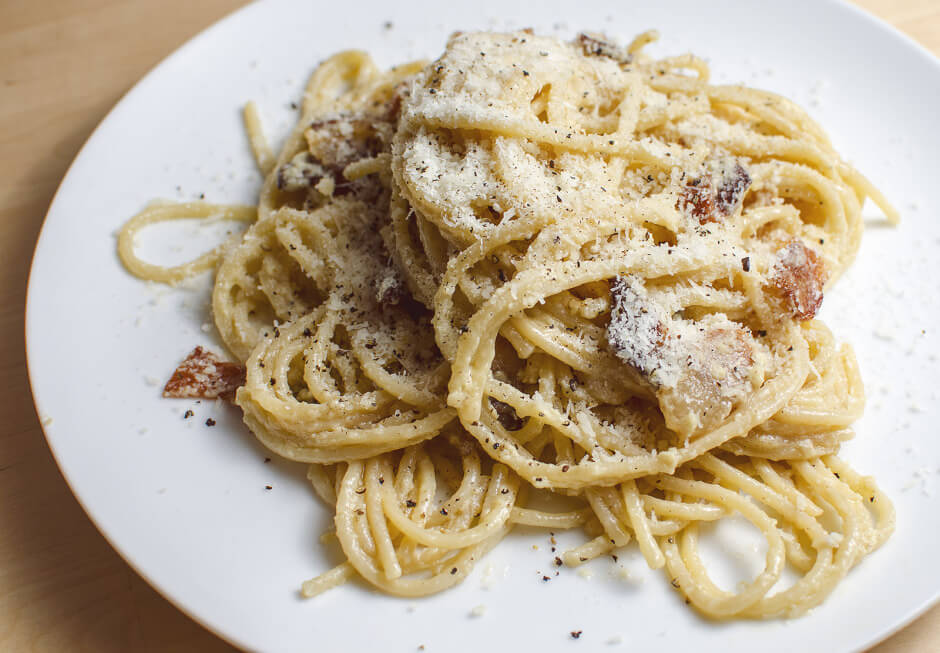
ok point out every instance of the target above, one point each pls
(63, 64)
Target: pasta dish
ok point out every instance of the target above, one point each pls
(557, 284)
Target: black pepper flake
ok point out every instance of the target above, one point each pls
(210, 422)
(268, 487)
(546, 578)
(576, 634)
(410, 504)
(293, 105)
(444, 511)
(525, 73)
(188, 414)
(871, 499)
(453, 571)
(675, 583)
(746, 263)
(267, 460)
(762, 333)
(557, 561)
(272, 382)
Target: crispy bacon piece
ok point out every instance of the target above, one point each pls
(335, 142)
(697, 370)
(708, 200)
(507, 415)
(734, 183)
(799, 277)
(719, 363)
(636, 333)
(699, 200)
(598, 47)
(301, 172)
(203, 375)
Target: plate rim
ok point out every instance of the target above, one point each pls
(126, 557)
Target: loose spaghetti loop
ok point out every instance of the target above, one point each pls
(165, 212)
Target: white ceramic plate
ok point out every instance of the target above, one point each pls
(186, 503)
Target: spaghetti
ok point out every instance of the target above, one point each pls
(558, 267)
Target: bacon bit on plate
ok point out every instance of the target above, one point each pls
(799, 276)
(203, 375)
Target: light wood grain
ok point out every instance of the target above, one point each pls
(63, 64)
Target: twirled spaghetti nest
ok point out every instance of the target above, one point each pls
(565, 266)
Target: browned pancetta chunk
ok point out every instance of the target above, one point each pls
(798, 277)
(698, 199)
(733, 183)
(636, 331)
(600, 47)
(715, 195)
(203, 375)
(300, 173)
(507, 415)
(697, 369)
(335, 142)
